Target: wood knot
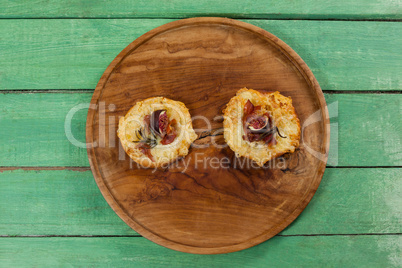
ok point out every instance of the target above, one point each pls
(294, 163)
(157, 188)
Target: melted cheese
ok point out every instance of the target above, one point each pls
(284, 117)
(162, 154)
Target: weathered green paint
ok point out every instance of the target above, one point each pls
(57, 202)
(322, 9)
(366, 129)
(32, 129)
(317, 251)
(65, 202)
(73, 53)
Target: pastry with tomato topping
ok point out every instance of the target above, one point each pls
(261, 125)
(156, 131)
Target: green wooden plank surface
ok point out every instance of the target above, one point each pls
(318, 251)
(32, 129)
(365, 129)
(65, 202)
(55, 202)
(73, 53)
(322, 9)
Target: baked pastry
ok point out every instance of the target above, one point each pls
(261, 126)
(156, 131)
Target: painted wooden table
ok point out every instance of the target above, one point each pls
(53, 53)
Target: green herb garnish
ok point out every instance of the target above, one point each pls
(150, 140)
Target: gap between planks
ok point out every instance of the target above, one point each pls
(203, 15)
(8, 168)
(83, 169)
(97, 236)
(46, 91)
(72, 91)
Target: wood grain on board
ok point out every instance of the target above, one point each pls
(73, 53)
(200, 204)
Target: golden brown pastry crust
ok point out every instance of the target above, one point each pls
(162, 154)
(284, 117)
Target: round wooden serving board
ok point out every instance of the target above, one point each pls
(209, 202)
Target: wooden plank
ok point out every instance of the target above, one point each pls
(285, 9)
(32, 130)
(73, 54)
(317, 251)
(65, 202)
(365, 129)
(62, 202)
